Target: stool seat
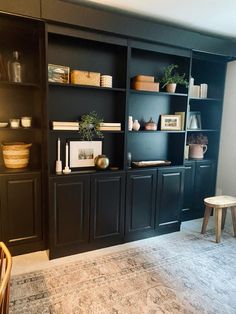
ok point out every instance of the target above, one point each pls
(220, 204)
(221, 201)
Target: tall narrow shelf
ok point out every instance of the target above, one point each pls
(109, 103)
(209, 69)
(21, 189)
(143, 105)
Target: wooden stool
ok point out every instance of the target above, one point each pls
(220, 204)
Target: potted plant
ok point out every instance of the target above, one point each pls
(89, 126)
(171, 78)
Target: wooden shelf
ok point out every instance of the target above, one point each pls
(4, 170)
(18, 129)
(205, 99)
(114, 89)
(133, 91)
(158, 131)
(85, 171)
(74, 131)
(204, 130)
(13, 84)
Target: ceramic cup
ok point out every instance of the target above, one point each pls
(14, 123)
(26, 122)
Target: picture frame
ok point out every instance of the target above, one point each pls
(194, 120)
(83, 153)
(58, 73)
(171, 122)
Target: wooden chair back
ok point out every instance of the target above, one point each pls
(5, 274)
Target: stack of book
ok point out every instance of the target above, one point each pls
(65, 125)
(109, 126)
(197, 91)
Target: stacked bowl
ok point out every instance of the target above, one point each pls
(106, 81)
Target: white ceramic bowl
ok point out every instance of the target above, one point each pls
(3, 124)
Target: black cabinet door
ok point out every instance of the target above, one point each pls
(69, 214)
(24, 7)
(169, 198)
(107, 207)
(204, 185)
(189, 185)
(140, 203)
(21, 211)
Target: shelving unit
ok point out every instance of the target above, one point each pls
(88, 208)
(109, 103)
(142, 105)
(21, 188)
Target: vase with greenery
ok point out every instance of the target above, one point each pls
(171, 78)
(89, 126)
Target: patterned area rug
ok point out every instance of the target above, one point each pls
(178, 273)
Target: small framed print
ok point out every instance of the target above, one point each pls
(58, 73)
(170, 122)
(83, 153)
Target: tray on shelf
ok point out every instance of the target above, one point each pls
(150, 163)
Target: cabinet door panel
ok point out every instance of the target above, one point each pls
(204, 185)
(107, 206)
(189, 182)
(140, 201)
(21, 208)
(69, 211)
(169, 196)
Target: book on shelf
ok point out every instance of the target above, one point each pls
(203, 90)
(65, 123)
(65, 128)
(110, 128)
(112, 124)
(194, 91)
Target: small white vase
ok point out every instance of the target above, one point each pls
(136, 125)
(130, 123)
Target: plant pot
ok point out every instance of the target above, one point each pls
(170, 88)
(197, 151)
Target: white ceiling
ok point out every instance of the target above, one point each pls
(212, 16)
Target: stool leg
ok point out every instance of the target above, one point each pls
(224, 213)
(233, 213)
(205, 219)
(218, 219)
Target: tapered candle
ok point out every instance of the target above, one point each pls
(58, 149)
(67, 170)
(66, 164)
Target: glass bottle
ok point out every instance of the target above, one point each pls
(15, 68)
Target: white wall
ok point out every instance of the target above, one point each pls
(226, 177)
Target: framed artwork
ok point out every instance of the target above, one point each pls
(194, 121)
(83, 153)
(58, 73)
(171, 122)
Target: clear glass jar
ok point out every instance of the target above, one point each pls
(15, 68)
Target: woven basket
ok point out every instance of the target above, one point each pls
(85, 78)
(16, 154)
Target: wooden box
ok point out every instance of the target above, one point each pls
(144, 78)
(146, 86)
(85, 78)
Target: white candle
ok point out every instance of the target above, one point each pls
(66, 155)
(58, 149)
